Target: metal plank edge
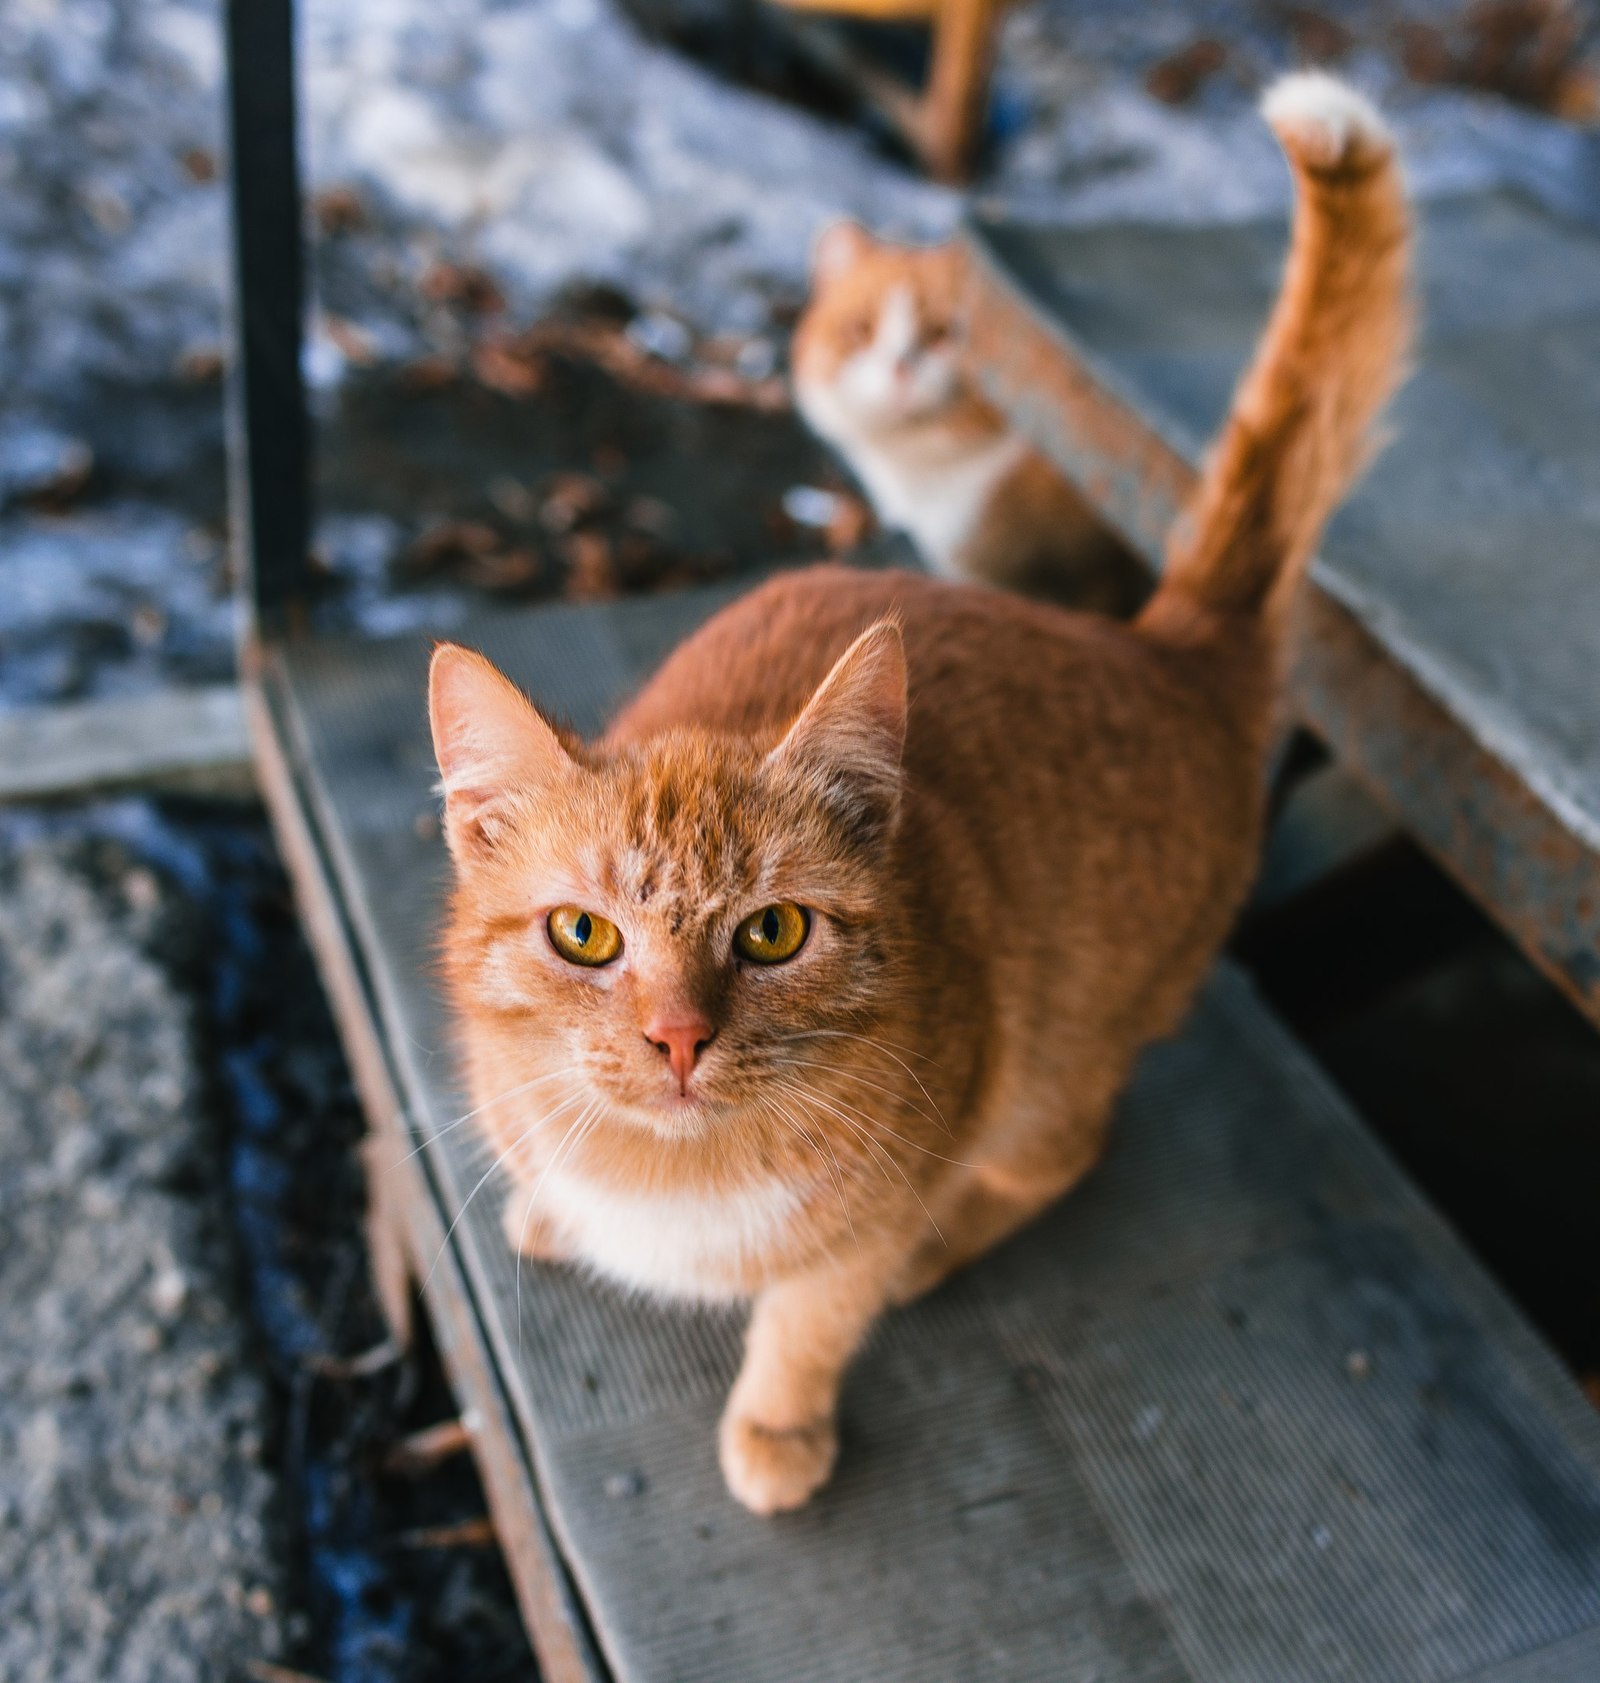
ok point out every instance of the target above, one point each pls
(555, 1621)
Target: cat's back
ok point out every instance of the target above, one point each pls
(983, 665)
(1053, 745)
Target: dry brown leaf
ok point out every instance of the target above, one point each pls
(568, 500)
(1177, 78)
(429, 374)
(591, 570)
(198, 164)
(503, 365)
(1318, 38)
(339, 210)
(1526, 51)
(352, 340)
(449, 543)
(463, 284)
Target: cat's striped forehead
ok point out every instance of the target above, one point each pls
(686, 838)
(693, 832)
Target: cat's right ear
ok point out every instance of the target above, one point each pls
(840, 246)
(488, 739)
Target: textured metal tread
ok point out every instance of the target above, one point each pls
(1240, 1410)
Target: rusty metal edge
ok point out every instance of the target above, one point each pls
(548, 1604)
(1470, 810)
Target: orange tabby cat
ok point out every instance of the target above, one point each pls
(878, 374)
(795, 989)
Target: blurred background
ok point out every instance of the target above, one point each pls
(558, 246)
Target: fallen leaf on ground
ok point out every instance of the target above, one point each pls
(449, 542)
(429, 373)
(339, 210)
(503, 366)
(57, 491)
(465, 285)
(1526, 51)
(570, 499)
(1318, 38)
(1177, 78)
(591, 574)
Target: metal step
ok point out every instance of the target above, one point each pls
(1453, 635)
(1241, 1409)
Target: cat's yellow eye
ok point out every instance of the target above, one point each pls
(772, 934)
(583, 937)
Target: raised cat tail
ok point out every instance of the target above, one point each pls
(1302, 422)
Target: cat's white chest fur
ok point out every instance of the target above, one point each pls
(676, 1244)
(939, 501)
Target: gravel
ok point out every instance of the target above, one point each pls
(139, 1537)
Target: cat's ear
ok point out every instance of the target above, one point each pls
(852, 732)
(840, 246)
(488, 739)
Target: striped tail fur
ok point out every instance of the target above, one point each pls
(1301, 427)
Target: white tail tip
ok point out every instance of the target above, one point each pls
(1324, 122)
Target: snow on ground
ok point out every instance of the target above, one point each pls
(549, 142)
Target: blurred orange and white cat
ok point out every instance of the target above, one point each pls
(821, 971)
(878, 374)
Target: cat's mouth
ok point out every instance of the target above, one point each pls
(669, 1114)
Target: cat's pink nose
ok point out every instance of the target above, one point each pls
(680, 1037)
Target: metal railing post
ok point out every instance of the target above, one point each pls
(269, 451)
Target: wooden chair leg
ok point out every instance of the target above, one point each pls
(958, 84)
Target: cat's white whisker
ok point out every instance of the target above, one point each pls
(478, 1110)
(875, 1122)
(880, 1046)
(875, 1152)
(500, 1159)
(877, 1086)
(586, 1120)
(888, 1155)
(837, 1173)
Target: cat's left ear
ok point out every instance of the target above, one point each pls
(489, 740)
(852, 732)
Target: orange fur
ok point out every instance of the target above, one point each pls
(1021, 834)
(878, 373)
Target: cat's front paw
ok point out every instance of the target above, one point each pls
(772, 1469)
(531, 1235)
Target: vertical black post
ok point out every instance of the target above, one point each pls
(269, 433)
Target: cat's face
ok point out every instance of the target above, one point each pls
(679, 927)
(875, 350)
